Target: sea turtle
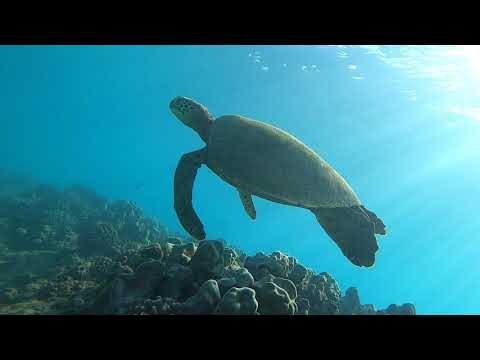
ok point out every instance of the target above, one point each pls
(262, 160)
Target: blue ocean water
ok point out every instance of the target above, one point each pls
(400, 123)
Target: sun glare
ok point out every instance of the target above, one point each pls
(471, 53)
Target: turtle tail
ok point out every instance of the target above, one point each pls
(353, 229)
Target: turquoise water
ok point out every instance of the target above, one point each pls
(400, 123)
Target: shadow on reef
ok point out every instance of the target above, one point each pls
(73, 252)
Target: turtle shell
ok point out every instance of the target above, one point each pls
(272, 164)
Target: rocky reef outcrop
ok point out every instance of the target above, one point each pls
(74, 252)
(350, 305)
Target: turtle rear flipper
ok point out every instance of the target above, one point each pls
(379, 225)
(183, 186)
(353, 232)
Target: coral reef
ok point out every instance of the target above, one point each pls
(208, 260)
(238, 301)
(204, 301)
(303, 306)
(273, 299)
(350, 305)
(74, 252)
(276, 264)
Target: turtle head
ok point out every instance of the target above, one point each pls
(192, 114)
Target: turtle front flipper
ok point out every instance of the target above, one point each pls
(183, 187)
(352, 230)
(247, 202)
